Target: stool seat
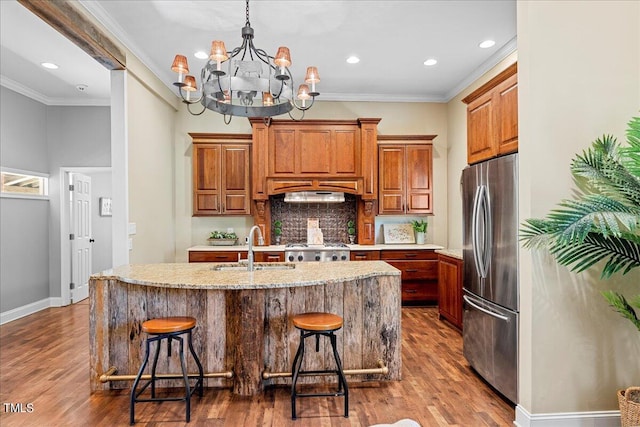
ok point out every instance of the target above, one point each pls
(317, 321)
(167, 325)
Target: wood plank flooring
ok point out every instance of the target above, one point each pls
(44, 361)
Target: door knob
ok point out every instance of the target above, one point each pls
(91, 240)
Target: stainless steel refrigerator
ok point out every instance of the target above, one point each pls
(490, 253)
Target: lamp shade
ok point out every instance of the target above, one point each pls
(189, 84)
(267, 99)
(218, 51)
(283, 57)
(312, 75)
(303, 92)
(180, 64)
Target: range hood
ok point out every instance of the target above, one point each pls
(314, 197)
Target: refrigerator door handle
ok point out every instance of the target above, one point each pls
(486, 228)
(484, 310)
(474, 230)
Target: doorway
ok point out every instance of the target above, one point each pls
(86, 230)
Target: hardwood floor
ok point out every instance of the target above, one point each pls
(44, 361)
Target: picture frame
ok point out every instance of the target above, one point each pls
(105, 206)
(398, 234)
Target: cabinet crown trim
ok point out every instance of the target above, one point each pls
(504, 75)
(405, 138)
(203, 138)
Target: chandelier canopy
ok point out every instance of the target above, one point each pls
(245, 81)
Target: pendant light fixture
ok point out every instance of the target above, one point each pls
(245, 81)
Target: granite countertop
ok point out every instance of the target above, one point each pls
(203, 275)
(281, 248)
(453, 253)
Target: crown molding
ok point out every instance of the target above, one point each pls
(37, 96)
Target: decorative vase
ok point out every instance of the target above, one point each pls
(276, 240)
(352, 239)
(420, 238)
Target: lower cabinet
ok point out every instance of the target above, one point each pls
(216, 256)
(419, 274)
(271, 256)
(450, 289)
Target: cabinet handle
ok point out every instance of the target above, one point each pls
(413, 270)
(411, 255)
(411, 291)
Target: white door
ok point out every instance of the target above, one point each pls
(81, 237)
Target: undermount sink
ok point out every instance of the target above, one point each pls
(244, 267)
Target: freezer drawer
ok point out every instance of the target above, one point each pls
(490, 343)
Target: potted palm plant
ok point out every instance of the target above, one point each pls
(601, 224)
(277, 231)
(420, 227)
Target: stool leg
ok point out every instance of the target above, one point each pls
(200, 383)
(295, 369)
(135, 385)
(187, 395)
(341, 379)
(153, 367)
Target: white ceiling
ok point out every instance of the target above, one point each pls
(392, 39)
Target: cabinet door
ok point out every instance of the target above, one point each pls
(391, 179)
(507, 117)
(418, 171)
(314, 151)
(480, 129)
(450, 290)
(235, 179)
(206, 179)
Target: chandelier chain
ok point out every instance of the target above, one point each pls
(248, 24)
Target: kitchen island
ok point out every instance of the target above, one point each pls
(243, 318)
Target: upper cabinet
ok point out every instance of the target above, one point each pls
(221, 178)
(405, 174)
(492, 117)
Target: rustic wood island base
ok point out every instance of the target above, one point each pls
(244, 319)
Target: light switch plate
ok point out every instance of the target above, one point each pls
(132, 228)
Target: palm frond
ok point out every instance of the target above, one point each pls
(631, 154)
(621, 254)
(620, 304)
(603, 172)
(536, 233)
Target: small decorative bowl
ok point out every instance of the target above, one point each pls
(222, 242)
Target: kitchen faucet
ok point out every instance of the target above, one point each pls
(250, 249)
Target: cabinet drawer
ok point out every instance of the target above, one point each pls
(212, 256)
(408, 255)
(365, 255)
(414, 291)
(417, 270)
(269, 256)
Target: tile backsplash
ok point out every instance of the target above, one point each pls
(333, 219)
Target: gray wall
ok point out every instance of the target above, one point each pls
(43, 139)
(24, 224)
(100, 225)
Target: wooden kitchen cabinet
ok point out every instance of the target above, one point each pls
(361, 255)
(217, 256)
(221, 176)
(492, 117)
(270, 256)
(299, 150)
(419, 274)
(450, 271)
(405, 178)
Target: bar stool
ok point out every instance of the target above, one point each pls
(169, 328)
(317, 324)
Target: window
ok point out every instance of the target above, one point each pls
(17, 183)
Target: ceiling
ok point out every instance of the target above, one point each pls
(392, 39)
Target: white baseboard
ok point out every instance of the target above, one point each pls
(28, 309)
(567, 419)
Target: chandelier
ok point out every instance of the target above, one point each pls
(245, 81)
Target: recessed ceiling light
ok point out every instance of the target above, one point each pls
(353, 60)
(201, 54)
(431, 61)
(49, 65)
(486, 44)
